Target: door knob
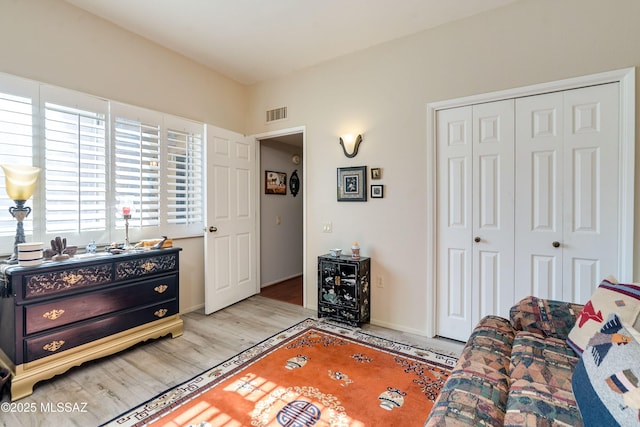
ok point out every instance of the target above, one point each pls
(477, 239)
(556, 244)
(211, 229)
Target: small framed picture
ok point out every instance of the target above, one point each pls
(377, 191)
(376, 173)
(352, 184)
(275, 183)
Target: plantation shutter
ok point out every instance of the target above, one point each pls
(18, 99)
(137, 135)
(95, 155)
(185, 185)
(75, 162)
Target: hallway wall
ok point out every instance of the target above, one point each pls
(281, 217)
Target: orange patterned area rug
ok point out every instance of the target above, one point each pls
(315, 373)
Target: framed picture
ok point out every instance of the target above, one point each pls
(377, 191)
(352, 184)
(275, 183)
(376, 173)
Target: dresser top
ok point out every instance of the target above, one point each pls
(342, 258)
(12, 272)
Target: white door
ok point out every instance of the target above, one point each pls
(539, 178)
(567, 179)
(454, 255)
(493, 205)
(475, 213)
(230, 232)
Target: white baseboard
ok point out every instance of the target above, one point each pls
(400, 328)
(193, 308)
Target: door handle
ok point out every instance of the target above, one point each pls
(556, 244)
(477, 239)
(211, 229)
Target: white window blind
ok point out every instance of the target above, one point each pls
(17, 102)
(76, 169)
(185, 183)
(137, 141)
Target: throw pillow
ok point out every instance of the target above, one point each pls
(609, 297)
(605, 380)
(549, 318)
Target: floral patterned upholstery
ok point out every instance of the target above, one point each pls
(514, 372)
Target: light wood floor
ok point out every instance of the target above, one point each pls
(112, 385)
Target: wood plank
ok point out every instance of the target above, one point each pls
(100, 390)
(289, 290)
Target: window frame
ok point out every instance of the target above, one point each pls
(41, 94)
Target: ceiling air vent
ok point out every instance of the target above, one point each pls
(276, 114)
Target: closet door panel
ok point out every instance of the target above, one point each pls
(591, 144)
(538, 207)
(454, 255)
(493, 207)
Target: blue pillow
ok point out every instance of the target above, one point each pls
(606, 379)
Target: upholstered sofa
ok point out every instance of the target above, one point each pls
(524, 370)
(515, 371)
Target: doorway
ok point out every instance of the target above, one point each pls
(281, 218)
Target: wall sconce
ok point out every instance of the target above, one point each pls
(20, 184)
(350, 144)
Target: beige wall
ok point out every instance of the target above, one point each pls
(54, 42)
(383, 92)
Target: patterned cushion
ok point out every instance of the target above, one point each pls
(540, 391)
(606, 379)
(549, 318)
(476, 391)
(608, 298)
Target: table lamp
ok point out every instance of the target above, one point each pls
(20, 181)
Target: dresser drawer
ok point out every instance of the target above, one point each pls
(88, 331)
(53, 282)
(138, 268)
(40, 317)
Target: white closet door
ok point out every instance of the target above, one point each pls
(567, 187)
(493, 207)
(539, 183)
(454, 151)
(591, 188)
(475, 211)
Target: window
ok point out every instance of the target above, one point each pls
(97, 155)
(185, 179)
(75, 163)
(18, 99)
(137, 139)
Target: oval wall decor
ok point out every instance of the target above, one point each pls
(294, 183)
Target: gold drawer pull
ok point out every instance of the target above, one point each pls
(53, 314)
(148, 266)
(160, 289)
(161, 312)
(53, 346)
(71, 278)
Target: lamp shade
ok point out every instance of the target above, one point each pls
(20, 181)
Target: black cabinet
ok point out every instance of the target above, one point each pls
(344, 293)
(61, 314)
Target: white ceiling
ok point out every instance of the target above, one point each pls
(254, 40)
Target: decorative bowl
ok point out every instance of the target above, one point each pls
(30, 246)
(335, 252)
(29, 263)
